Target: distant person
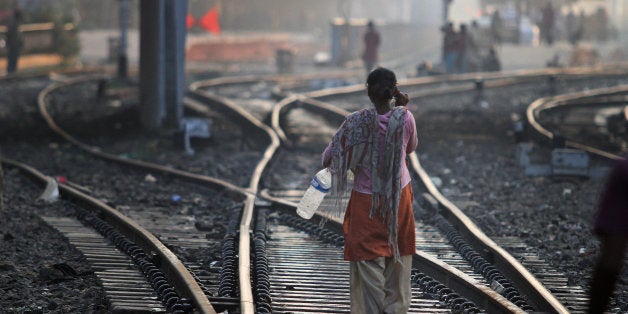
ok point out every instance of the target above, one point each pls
(548, 19)
(611, 226)
(14, 41)
(465, 47)
(584, 20)
(450, 52)
(571, 28)
(492, 63)
(378, 225)
(600, 24)
(372, 40)
(497, 24)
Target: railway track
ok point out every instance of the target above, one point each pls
(280, 203)
(573, 296)
(581, 120)
(442, 248)
(195, 247)
(114, 244)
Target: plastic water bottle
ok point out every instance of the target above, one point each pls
(314, 195)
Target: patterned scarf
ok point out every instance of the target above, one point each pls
(356, 143)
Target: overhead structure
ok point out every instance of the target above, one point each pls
(162, 62)
(122, 48)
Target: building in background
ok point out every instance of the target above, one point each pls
(619, 16)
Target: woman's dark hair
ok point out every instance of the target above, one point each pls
(381, 83)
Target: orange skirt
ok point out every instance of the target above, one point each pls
(366, 238)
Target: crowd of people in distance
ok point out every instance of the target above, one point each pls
(462, 54)
(553, 24)
(473, 47)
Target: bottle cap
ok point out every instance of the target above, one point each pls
(318, 185)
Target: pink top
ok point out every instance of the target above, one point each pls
(362, 175)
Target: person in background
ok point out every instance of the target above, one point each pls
(548, 18)
(492, 63)
(465, 47)
(378, 224)
(600, 24)
(14, 41)
(611, 226)
(372, 40)
(450, 53)
(497, 26)
(571, 28)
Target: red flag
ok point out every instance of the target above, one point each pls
(189, 21)
(210, 21)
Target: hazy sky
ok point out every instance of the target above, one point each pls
(464, 11)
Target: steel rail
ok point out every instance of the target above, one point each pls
(534, 110)
(439, 270)
(54, 75)
(524, 280)
(246, 120)
(457, 280)
(501, 79)
(229, 189)
(170, 264)
(279, 78)
(245, 195)
(240, 194)
(475, 292)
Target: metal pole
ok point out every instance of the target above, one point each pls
(152, 63)
(445, 11)
(1, 188)
(176, 32)
(445, 19)
(122, 48)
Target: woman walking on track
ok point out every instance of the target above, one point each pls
(379, 222)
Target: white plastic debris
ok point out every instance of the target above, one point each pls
(495, 285)
(150, 178)
(51, 193)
